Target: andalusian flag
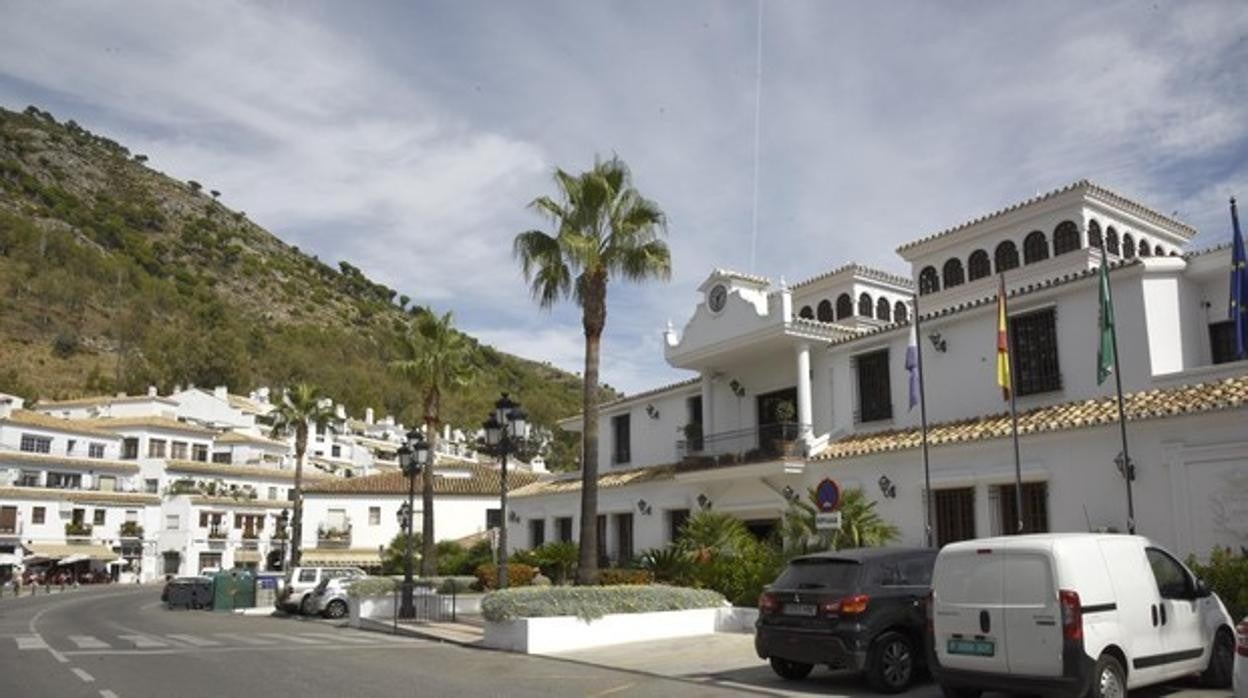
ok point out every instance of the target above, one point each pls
(1105, 322)
(1003, 344)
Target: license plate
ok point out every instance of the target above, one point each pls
(799, 609)
(978, 648)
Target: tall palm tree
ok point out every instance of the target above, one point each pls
(302, 406)
(602, 227)
(438, 359)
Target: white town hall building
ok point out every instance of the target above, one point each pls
(795, 383)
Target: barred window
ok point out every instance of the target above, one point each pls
(1094, 235)
(953, 273)
(979, 265)
(865, 306)
(824, 311)
(1034, 337)
(1128, 246)
(883, 311)
(955, 515)
(1066, 237)
(95, 450)
(900, 313)
(929, 281)
(806, 313)
(874, 392)
(36, 444)
(1111, 240)
(1035, 508)
(1035, 247)
(1006, 256)
(844, 306)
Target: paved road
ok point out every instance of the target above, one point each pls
(118, 642)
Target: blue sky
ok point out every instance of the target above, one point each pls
(408, 137)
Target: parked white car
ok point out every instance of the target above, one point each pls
(329, 598)
(1241, 660)
(296, 594)
(1072, 614)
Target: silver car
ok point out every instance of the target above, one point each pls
(1241, 659)
(329, 598)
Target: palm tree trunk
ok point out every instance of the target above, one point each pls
(593, 319)
(296, 521)
(428, 547)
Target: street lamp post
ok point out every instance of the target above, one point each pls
(505, 431)
(412, 457)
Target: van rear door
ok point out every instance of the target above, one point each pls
(1033, 618)
(968, 627)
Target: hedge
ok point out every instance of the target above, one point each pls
(518, 575)
(591, 602)
(384, 586)
(372, 586)
(615, 576)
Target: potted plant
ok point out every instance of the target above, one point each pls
(785, 444)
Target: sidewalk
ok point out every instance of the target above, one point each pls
(467, 631)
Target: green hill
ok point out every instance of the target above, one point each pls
(114, 277)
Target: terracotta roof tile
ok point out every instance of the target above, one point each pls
(234, 437)
(104, 400)
(1231, 393)
(47, 421)
(78, 496)
(227, 470)
(860, 270)
(152, 422)
(483, 480)
(51, 461)
(616, 478)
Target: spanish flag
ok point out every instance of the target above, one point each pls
(1003, 344)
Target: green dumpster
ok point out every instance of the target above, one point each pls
(233, 589)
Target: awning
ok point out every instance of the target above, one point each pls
(42, 552)
(246, 556)
(324, 557)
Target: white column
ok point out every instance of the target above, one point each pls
(708, 405)
(803, 391)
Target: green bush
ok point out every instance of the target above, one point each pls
(557, 560)
(669, 564)
(449, 584)
(1227, 574)
(518, 575)
(454, 559)
(614, 576)
(591, 602)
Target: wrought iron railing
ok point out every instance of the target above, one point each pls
(745, 445)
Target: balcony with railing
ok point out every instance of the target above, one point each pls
(77, 529)
(334, 536)
(765, 443)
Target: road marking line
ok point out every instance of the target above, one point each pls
(31, 642)
(107, 694)
(245, 639)
(341, 637)
(195, 640)
(617, 689)
(88, 642)
(143, 641)
(298, 639)
(86, 678)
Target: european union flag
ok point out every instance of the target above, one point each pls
(1239, 286)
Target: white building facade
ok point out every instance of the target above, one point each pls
(793, 384)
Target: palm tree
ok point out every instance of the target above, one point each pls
(302, 406)
(602, 227)
(860, 527)
(439, 358)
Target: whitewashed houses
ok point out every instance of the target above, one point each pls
(794, 383)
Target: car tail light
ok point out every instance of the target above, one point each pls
(1241, 643)
(830, 607)
(1072, 615)
(767, 603)
(853, 605)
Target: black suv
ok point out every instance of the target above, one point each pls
(859, 609)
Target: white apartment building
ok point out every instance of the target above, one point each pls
(353, 520)
(791, 384)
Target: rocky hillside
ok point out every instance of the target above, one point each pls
(114, 277)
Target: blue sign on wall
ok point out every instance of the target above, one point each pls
(827, 495)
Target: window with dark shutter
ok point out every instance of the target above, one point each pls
(1034, 337)
(874, 393)
(955, 515)
(620, 428)
(537, 533)
(1035, 508)
(1222, 341)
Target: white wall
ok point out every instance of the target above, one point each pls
(455, 517)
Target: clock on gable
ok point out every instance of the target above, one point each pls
(717, 298)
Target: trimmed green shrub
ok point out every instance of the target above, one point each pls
(1227, 574)
(449, 584)
(615, 576)
(518, 575)
(372, 586)
(590, 602)
(557, 560)
(668, 564)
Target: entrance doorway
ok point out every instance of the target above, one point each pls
(774, 425)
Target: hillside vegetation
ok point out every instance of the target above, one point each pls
(114, 277)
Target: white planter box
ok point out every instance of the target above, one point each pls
(563, 633)
(737, 619)
(382, 607)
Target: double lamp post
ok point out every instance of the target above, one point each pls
(505, 431)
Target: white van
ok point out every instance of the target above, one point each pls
(1069, 614)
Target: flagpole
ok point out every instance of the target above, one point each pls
(927, 472)
(1018, 467)
(1127, 469)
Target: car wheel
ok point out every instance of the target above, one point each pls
(305, 606)
(890, 664)
(960, 692)
(793, 671)
(1221, 662)
(336, 609)
(1109, 680)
